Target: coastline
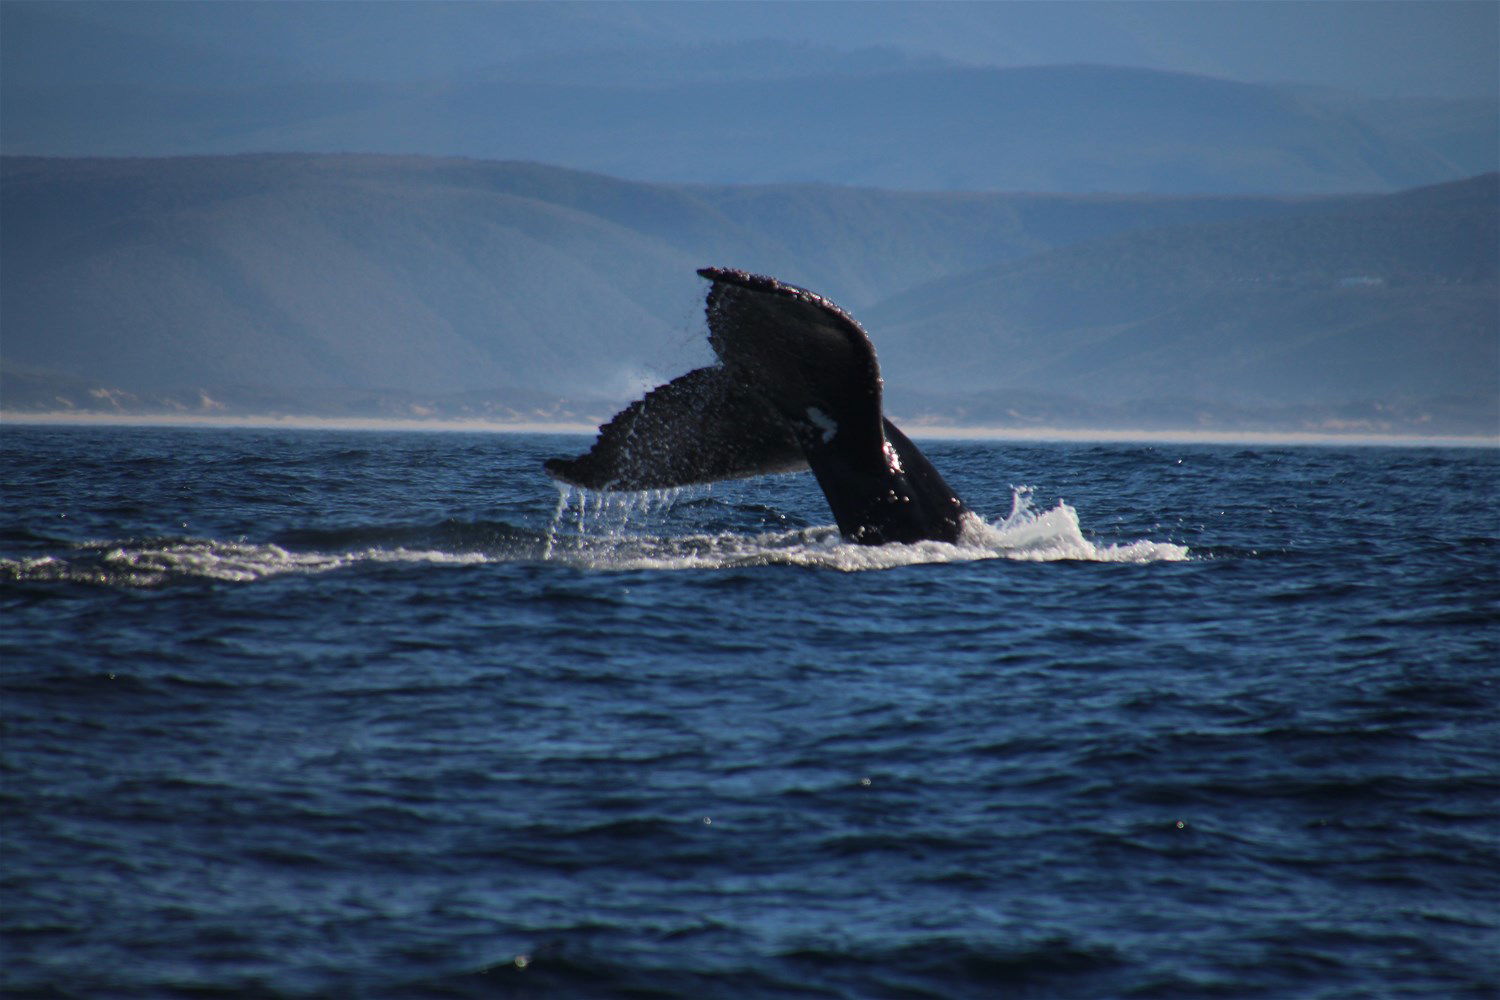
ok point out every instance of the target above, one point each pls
(919, 431)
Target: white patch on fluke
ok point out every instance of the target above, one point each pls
(823, 422)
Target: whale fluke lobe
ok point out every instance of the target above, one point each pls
(797, 386)
(698, 428)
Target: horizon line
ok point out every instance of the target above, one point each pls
(930, 432)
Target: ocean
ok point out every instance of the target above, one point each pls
(296, 713)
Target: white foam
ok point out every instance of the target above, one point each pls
(1056, 534)
(611, 532)
(618, 531)
(211, 560)
(151, 563)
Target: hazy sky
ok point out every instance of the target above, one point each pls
(1378, 48)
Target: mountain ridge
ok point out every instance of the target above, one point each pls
(393, 286)
(911, 125)
(1399, 291)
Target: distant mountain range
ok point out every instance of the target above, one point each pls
(740, 113)
(366, 285)
(1386, 298)
(1431, 48)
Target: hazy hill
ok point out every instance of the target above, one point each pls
(1424, 49)
(765, 111)
(1464, 132)
(1392, 301)
(447, 276)
(403, 285)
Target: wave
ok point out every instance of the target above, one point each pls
(577, 960)
(153, 562)
(593, 530)
(587, 531)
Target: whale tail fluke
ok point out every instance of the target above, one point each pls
(797, 386)
(810, 361)
(698, 428)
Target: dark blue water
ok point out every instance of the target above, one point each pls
(311, 713)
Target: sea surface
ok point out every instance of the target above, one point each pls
(310, 713)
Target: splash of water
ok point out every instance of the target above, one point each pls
(617, 531)
(604, 531)
(1056, 534)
